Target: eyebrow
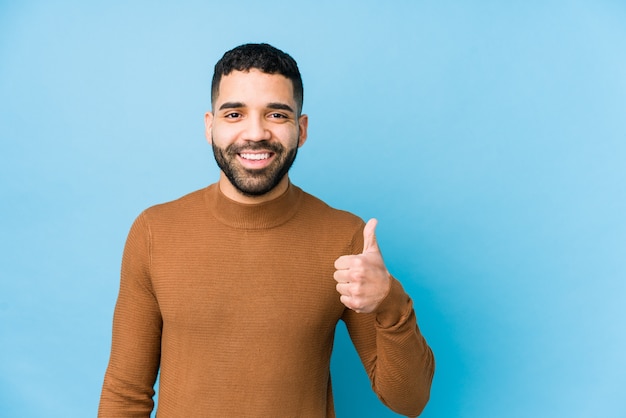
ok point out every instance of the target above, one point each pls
(280, 106)
(272, 105)
(231, 105)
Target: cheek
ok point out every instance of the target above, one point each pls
(288, 135)
(223, 134)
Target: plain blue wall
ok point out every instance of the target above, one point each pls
(488, 137)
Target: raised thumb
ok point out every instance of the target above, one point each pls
(369, 236)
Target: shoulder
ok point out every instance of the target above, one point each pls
(321, 215)
(182, 208)
(315, 203)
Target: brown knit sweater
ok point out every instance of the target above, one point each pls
(236, 306)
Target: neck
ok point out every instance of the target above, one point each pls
(233, 193)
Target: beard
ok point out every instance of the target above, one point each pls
(255, 182)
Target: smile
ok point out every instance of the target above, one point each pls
(255, 157)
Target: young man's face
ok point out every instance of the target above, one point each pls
(255, 131)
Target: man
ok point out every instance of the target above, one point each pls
(233, 292)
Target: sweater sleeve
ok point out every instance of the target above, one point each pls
(135, 351)
(398, 361)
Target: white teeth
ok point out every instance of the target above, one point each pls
(255, 156)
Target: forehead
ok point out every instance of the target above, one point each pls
(254, 85)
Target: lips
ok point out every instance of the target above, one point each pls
(255, 155)
(257, 160)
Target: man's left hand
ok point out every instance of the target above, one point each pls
(363, 280)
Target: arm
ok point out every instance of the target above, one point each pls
(382, 325)
(136, 345)
(395, 355)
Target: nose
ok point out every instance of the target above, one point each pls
(256, 129)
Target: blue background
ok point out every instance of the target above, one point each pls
(488, 138)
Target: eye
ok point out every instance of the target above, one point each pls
(277, 116)
(232, 115)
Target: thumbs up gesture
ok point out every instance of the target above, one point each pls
(363, 280)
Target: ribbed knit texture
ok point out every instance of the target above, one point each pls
(237, 306)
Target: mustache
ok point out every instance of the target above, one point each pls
(255, 146)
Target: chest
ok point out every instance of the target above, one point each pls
(254, 282)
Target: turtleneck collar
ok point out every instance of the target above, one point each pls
(252, 216)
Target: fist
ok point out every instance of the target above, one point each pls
(363, 280)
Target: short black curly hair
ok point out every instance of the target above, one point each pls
(263, 57)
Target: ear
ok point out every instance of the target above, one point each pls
(303, 124)
(208, 126)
